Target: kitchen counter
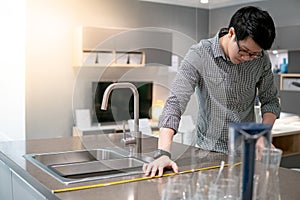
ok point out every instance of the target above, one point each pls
(12, 155)
(286, 133)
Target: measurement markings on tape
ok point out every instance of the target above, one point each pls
(136, 179)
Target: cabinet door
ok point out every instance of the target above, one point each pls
(22, 190)
(287, 38)
(5, 182)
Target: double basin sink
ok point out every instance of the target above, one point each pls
(86, 165)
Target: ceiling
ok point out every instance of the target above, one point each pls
(210, 5)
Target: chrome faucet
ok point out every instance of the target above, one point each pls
(137, 133)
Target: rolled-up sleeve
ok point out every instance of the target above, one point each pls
(268, 94)
(182, 88)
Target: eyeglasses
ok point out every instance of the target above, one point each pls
(245, 53)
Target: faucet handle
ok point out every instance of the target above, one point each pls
(124, 130)
(127, 136)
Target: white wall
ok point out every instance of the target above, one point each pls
(49, 75)
(12, 70)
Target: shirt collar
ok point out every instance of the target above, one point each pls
(216, 47)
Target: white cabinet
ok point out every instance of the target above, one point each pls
(14, 187)
(23, 190)
(5, 182)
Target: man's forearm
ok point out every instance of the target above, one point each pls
(165, 139)
(269, 118)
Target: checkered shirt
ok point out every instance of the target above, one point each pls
(226, 92)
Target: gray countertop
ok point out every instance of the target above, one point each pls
(12, 154)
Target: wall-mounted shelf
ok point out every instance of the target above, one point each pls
(102, 47)
(290, 82)
(113, 46)
(96, 58)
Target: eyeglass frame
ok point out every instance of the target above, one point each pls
(251, 55)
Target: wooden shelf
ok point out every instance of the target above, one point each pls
(292, 77)
(113, 59)
(112, 65)
(95, 47)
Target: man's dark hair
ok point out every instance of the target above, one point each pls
(256, 23)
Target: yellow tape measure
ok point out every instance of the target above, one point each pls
(135, 180)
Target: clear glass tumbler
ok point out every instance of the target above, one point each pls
(267, 180)
(178, 191)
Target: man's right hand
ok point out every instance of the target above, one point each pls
(159, 165)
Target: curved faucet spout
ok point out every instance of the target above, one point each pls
(135, 103)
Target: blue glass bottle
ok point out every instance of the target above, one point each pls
(284, 66)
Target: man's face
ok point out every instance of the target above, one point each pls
(243, 50)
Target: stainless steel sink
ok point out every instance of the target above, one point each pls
(85, 165)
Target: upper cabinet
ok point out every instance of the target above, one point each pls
(106, 47)
(287, 38)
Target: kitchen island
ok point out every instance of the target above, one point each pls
(29, 181)
(286, 133)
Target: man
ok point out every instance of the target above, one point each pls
(228, 72)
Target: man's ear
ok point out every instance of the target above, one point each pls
(231, 32)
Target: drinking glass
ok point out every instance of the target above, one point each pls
(225, 188)
(267, 183)
(203, 184)
(176, 191)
